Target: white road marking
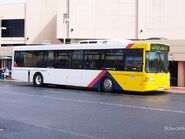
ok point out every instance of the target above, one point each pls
(65, 131)
(99, 103)
(51, 128)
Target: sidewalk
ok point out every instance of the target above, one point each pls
(176, 90)
(9, 80)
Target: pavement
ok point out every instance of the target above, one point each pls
(176, 90)
(28, 112)
(172, 89)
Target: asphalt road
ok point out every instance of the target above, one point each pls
(27, 112)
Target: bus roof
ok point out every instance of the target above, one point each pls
(99, 45)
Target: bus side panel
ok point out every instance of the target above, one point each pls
(26, 74)
(91, 78)
(157, 81)
(64, 77)
(71, 77)
(82, 78)
(96, 78)
(20, 74)
(130, 81)
(134, 81)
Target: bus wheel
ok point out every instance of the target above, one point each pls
(38, 80)
(107, 85)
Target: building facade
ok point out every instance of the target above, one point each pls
(57, 21)
(33, 22)
(128, 19)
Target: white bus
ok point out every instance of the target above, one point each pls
(106, 65)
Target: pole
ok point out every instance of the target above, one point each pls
(0, 38)
(65, 18)
(67, 23)
(64, 23)
(1, 30)
(137, 20)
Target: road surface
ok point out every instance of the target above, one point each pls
(27, 112)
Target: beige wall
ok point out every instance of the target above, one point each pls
(12, 11)
(41, 21)
(6, 51)
(124, 19)
(100, 19)
(61, 9)
(162, 18)
(181, 74)
(177, 49)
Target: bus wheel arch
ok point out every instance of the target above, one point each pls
(107, 84)
(38, 79)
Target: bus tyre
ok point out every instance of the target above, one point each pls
(107, 85)
(38, 80)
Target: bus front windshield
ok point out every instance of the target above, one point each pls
(157, 62)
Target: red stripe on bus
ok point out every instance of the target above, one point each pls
(130, 45)
(97, 78)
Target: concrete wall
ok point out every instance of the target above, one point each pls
(123, 19)
(99, 19)
(61, 9)
(41, 21)
(12, 11)
(8, 11)
(177, 49)
(181, 74)
(162, 18)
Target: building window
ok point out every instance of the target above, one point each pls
(13, 28)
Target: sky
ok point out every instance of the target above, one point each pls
(11, 1)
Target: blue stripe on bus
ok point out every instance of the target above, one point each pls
(97, 85)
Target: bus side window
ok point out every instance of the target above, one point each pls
(129, 63)
(77, 59)
(50, 59)
(113, 59)
(62, 59)
(39, 59)
(92, 59)
(19, 59)
(133, 61)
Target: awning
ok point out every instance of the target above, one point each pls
(6, 57)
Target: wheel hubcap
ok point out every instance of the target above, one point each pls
(38, 80)
(108, 84)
